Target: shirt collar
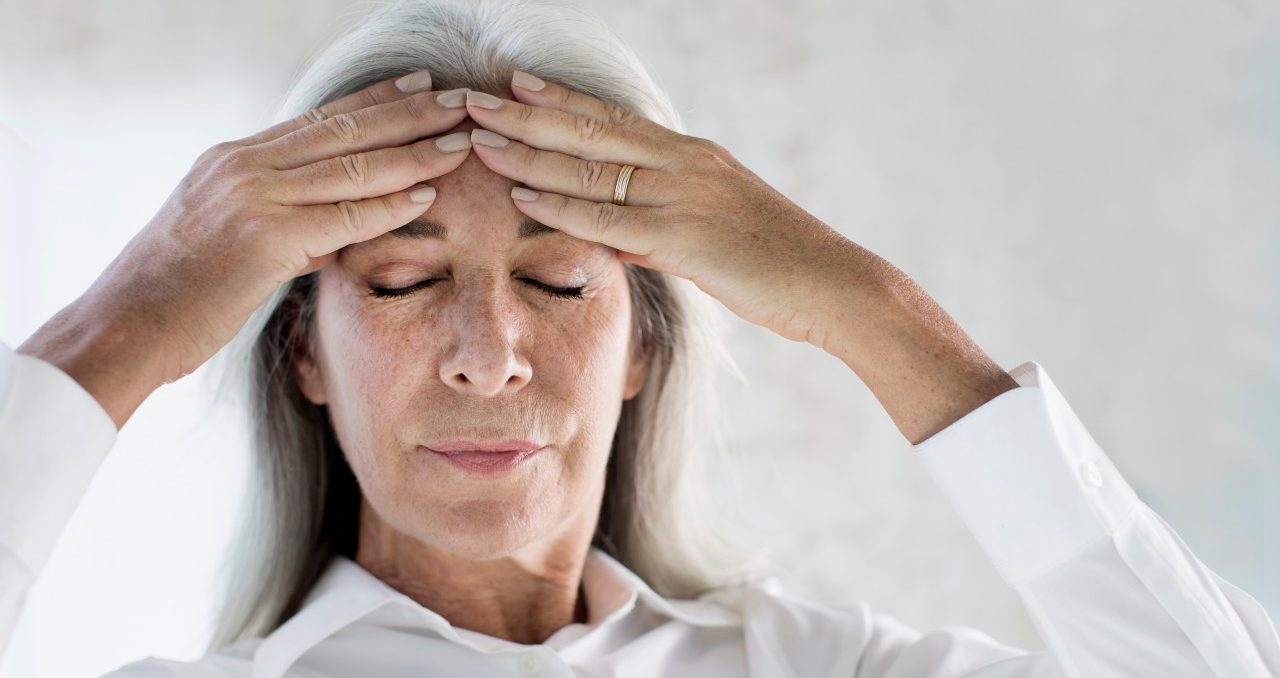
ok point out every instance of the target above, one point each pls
(346, 593)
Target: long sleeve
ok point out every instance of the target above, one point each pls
(53, 437)
(1111, 588)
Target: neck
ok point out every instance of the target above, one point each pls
(523, 596)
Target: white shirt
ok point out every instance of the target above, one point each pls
(1111, 588)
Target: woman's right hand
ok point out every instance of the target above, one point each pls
(249, 215)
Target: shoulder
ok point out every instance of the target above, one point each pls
(832, 638)
(232, 661)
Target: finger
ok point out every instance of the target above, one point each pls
(381, 92)
(391, 124)
(362, 175)
(632, 229)
(320, 262)
(582, 136)
(324, 229)
(562, 98)
(565, 174)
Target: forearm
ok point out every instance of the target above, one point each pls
(922, 367)
(107, 354)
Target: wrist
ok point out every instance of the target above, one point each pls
(922, 367)
(105, 352)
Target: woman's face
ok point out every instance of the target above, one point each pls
(483, 353)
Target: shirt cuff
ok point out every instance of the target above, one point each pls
(53, 437)
(1027, 479)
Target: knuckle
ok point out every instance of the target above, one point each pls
(346, 127)
(314, 116)
(621, 116)
(369, 95)
(217, 151)
(350, 215)
(606, 217)
(590, 130)
(705, 149)
(235, 161)
(589, 175)
(524, 113)
(356, 168)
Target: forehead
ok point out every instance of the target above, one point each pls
(473, 205)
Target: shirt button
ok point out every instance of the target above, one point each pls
(1089, 471)
(530, 664)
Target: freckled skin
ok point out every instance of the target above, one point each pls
(480, 354)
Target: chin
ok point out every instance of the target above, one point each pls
(485, 529)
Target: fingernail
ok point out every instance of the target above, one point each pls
(527, 81)
(454, 142)
(487, 138)
(522, 193)
(454, 98)
(483, 100)
(414, 82)
(424, 194)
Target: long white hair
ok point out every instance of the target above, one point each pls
(658, 516)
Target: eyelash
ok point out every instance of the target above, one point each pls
(393, 292)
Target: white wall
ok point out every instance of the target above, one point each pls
(1090, 185)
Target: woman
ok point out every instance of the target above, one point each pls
(459, 279)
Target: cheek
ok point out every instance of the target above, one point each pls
(371, 367)
(369, 345)
(585, 344)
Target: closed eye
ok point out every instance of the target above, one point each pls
(392, 292)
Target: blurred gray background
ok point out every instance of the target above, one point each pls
(1092, 185)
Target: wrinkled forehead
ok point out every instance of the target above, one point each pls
(473, 207)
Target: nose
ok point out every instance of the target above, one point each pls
(485, 359)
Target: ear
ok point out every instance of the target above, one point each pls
(637, 373)
(307, 372)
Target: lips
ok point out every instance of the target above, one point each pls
(487, 463)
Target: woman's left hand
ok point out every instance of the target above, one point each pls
(694, 211)
(691, 209)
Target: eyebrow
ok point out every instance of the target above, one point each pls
(423, 228)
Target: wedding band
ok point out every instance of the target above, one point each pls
(620, 188)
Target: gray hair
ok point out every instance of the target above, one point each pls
(658, 517)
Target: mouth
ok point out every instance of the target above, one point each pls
(486, 463)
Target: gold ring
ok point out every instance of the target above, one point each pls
(620, 188)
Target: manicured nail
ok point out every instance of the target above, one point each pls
(424, 194)
(522, 193)
(527, 81)
(483, 100)
(454, 142)
(454, 98)
(487, 138)
(414, 82)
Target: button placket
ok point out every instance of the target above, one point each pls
(530, 664)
